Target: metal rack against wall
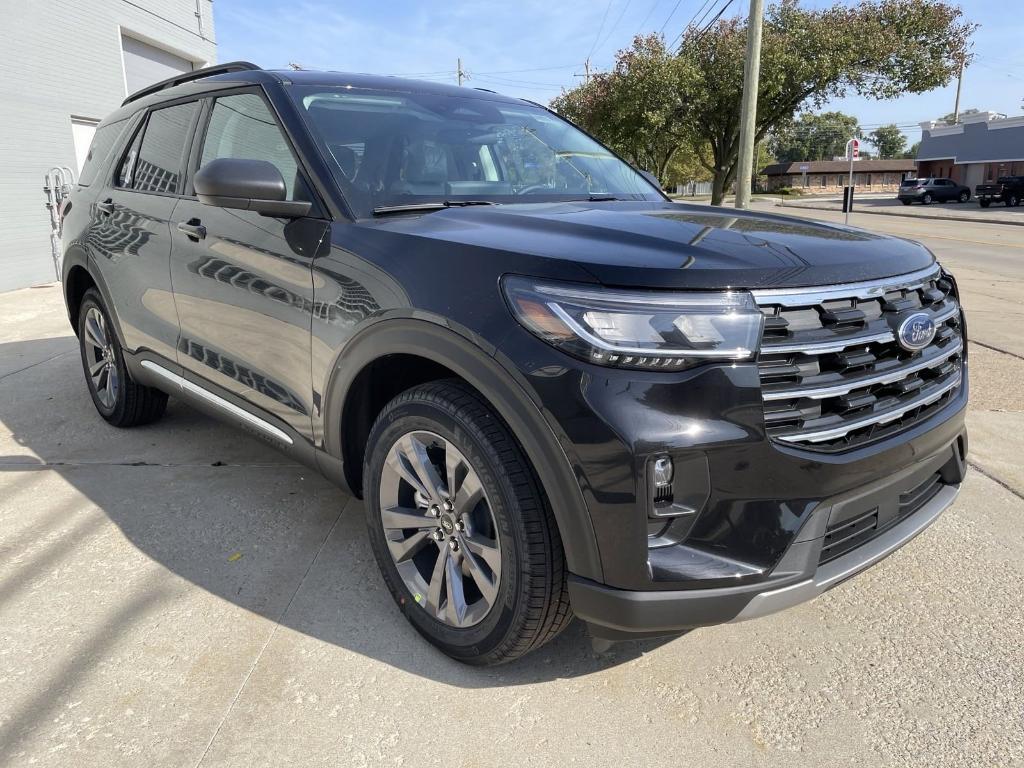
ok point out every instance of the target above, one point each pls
(59, 182)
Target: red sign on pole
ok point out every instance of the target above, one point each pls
(854, 149)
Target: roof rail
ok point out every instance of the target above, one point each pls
(195, 74)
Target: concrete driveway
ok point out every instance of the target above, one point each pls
(180, 595)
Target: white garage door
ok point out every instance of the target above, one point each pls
(145, 64)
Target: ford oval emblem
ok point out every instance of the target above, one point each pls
(916, 332)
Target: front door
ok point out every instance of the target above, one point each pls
(243, 283)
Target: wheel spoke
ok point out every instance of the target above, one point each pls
(437, 583)
(455, 608)
(403, 517)
(102, 380)
(403, 549)
(93, 333)
(488, 587)
(488, 553)
(95, 368)
(415, 453)
(469, 494)
(400, 466)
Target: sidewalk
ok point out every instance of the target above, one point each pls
(889, 206)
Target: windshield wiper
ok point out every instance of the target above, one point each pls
(435, 206)
(601, 198)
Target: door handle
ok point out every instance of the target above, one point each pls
(194, 229)
(106, 207)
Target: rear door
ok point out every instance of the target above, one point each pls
(243, 283)
(130, 240)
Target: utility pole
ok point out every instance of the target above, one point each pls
(748, 114)
(959, 84)
(460, 72)
(586, 72)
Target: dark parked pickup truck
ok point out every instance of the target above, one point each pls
(1008, 190)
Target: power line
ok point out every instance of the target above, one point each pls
(650, 10)
(615, 26)
(670, 15)
(600, 29)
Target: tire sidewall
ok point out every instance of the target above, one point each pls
(483, 638)
(89, 301)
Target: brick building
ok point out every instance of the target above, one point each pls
(830, 176)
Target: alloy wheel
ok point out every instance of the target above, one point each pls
(102, 365)
(439, 529)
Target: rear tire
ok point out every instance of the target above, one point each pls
(422, 451)
(1012, 201)
(965, 197)
(117, 396)
(984, 203)
(905, 202)
(927, 199)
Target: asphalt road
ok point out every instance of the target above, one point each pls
(180, 595)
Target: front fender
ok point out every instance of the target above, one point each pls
(506, 393)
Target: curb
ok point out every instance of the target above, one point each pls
(968, 219)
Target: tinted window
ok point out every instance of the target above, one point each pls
(100, 148)
(123, 177)
(391, 148)
(242, 126)
(158, 167)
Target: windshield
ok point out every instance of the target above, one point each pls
(392, 149)
(912, 182)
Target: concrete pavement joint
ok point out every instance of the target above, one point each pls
(51, 464)
(270, 637)
(996, 480)
(995, 349)
(41, 362)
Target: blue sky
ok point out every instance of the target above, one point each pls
(532, 48)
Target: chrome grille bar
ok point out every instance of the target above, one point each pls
(890, 377)
(883, 417)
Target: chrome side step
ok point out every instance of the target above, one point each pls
(239, 413)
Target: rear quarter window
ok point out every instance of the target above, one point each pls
(102, 143)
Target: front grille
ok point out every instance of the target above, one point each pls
(833, 376)
(842, 537)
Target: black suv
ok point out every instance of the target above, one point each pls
(927, 191)
(557, 392)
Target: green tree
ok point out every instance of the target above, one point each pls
(633, 108)
(911, 154)
(889, 141)
(874, 48)
(814, 137)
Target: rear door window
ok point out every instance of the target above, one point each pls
(161, 155)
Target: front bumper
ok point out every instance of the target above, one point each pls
(618, 614)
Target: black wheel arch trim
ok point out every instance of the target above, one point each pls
(502, 389)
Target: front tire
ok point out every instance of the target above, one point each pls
(118, 398)
(1012, 201)
(984, 203)
(460, 528)
(905, 202)
(927, 199)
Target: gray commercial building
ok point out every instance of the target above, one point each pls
(980, 148)
(66, 64)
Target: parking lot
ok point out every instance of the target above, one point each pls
(181, 595)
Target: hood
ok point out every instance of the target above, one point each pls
(673, 245)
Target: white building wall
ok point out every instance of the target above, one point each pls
(61, 59)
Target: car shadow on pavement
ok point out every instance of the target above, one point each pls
(223, 511)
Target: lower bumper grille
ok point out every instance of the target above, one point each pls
(833, 371)
(850, 534)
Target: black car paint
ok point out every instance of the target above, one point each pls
(283, 317)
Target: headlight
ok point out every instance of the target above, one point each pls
(641, 329)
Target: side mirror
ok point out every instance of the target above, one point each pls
(249, 185)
